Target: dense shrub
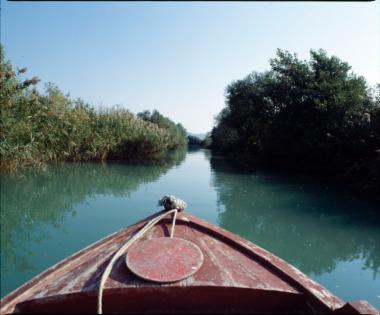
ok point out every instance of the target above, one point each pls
(45, 127)
(194, 141)
(314, 114)
(178, 135)
(203, 141)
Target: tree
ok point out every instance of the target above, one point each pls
(314, 113)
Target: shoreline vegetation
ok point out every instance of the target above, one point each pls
(304, 116)
(314, 117)
(38, 128)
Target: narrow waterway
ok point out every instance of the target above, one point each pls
(49, 214)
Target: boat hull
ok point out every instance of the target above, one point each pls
(236, 276)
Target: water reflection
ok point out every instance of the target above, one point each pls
(37, 202)
(307, 224)
(47, 215)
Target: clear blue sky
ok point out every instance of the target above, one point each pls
(179, 57)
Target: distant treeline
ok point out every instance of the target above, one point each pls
(196, 141)
(314, 115)
(49, 127)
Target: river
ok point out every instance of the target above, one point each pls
(47, 214)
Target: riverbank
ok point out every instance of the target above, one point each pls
(38, 128)
(308, 116)
(344, 184)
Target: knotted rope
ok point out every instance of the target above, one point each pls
(173, 205)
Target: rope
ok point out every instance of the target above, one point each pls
(173, 224)
(120, 252)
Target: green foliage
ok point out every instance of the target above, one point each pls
(178, 136)
(194, 141)
(50, 127)
(310, 114)
(207, 141)
(199, 140)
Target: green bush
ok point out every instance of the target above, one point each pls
(51, 127)
(314, 114)
(178, 135)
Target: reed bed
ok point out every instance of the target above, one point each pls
(36, 128)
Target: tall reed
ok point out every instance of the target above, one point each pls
(49, 127)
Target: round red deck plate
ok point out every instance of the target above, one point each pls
(164, 259)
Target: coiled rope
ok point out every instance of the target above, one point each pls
(121, 251)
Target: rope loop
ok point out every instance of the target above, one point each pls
(131, 240)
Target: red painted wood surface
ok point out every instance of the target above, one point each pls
(164, 259)
(236, 276)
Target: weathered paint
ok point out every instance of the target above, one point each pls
(164, 259)
(236, 276)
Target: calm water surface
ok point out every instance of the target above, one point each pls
(49, 214)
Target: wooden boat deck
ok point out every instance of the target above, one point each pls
(236, 276)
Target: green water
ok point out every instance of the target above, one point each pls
(49, 214)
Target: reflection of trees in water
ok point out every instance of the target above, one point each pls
(35, 197)
(206, 153)
(306, 224)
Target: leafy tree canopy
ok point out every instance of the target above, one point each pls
(302, 113)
